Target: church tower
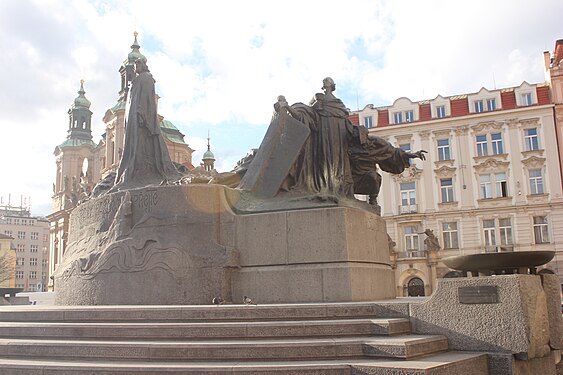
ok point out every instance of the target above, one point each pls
(73, 179)
(208, 157)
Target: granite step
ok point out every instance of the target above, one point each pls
(201, 330)
(205, 313)
(402, 347)
(439, 364)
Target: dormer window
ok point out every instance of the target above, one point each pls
(479, 106)
(441, 111)
(368, 122)
(526, 99)
(491, 104)
(397, 117)
(409, 116)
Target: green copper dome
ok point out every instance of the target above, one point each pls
(135, 53)
(81, 101)
(208, 155)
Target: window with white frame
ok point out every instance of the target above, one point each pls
(489, 235)
(33, 274)
(411, 238)
(34, 235)
(33, 248)
(368, 122)
(440, 111)
(19, 274)
(505, 232)
(398, 118)
(531, 141)
(16, 221)
(21, 235)
(479, 106)
(501, 185)
(485, 186)
(541, 229)
(405, 147)
(409, 116)
(408, 194)
(482, 146)
(491, 104)
(496, 144)
(32, 261)
(44, 263)
(443, 149)
(536, 181)
(526, 98)
(8, 233)
(450, 235)
(20, 261)
(20, 248)
(447, 190)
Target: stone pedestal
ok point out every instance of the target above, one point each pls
(186, 245)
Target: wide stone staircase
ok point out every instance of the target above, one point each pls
(343, 338)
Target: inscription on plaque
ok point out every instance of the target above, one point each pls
(478, 294)
(145, 200)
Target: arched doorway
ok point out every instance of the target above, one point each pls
(415, 287)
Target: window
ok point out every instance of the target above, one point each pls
(408, 197)
(443, 149)
(33, 274)
(496, 144)
(8, 233)
(34, 235)
(397, 117)
(33, 248)
(44, 263)
(501, 185)
(16, 221)
(20, 261)
(531, 139)
(449, 233)
(536, 181)
(21, 235)
(479, 107)
(409, 116)
(32, 261)
(8, 221)
(24, 222)
(485, 184)
(411, 238)
(405, 147)
(368, 122)
(541, 231)
(19, 274)
(20, 248)
(441, 111)
(45, 237)
(505, 231)
(491, 104)
(489, 235)
(482, 147)
(447, 190)
(526, 99)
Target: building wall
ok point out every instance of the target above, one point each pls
(31, 241)
(510, 206)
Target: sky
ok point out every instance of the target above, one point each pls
(220, 65)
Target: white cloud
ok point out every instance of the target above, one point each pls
(220, 65)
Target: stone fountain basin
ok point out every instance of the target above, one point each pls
(498, 261)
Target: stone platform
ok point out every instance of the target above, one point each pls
(188, 244)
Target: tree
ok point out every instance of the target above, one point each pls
(7, 267)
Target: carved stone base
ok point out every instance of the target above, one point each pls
(185, 245)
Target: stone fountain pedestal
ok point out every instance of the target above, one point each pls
(188, 244)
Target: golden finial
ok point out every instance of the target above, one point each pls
(135, 33)
(81, 81)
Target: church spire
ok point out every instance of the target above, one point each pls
(208, 157)
(127, 69)
(80, 117)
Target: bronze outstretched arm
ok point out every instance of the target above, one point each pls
(419, 154)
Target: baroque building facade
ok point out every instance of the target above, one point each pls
(491, 182)
(81, 163)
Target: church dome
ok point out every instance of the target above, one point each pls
(208, 155)
(81, 100)
(135, 53)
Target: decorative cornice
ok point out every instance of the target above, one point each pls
(403, 138)
(410, 174)
(441, 134)
(445, 171)
(534, 162)
(512, 123)
(484, 127)
(529, 122)
(492, 165)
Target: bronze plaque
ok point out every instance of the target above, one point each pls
(478, 294)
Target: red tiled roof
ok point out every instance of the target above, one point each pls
(460, 107)
(508, 99)
(543, 95)
(355, 118)
(424, 112)
(382, 118)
